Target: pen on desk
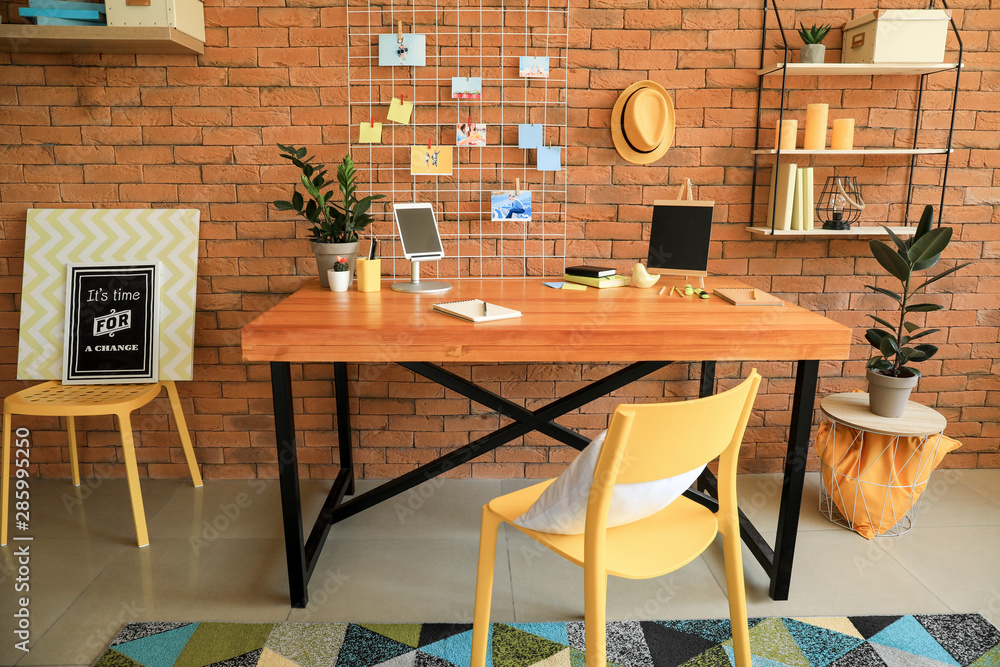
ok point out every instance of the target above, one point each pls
(662, 290)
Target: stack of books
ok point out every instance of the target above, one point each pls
(792, 206)
(594, 276)
(64, 12)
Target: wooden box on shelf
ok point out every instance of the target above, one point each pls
(188, 16)
(897, 36)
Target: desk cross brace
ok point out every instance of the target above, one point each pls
(302, 555)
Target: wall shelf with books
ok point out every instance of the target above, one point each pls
(788, 196)
(97, 39)
(863, 230)
(857, 151)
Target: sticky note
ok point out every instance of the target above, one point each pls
(529, 136)
(399, 112)
(370, 134)
(550, 158)
(575, 286)
(554, 285)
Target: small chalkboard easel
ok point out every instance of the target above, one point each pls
(680, 235)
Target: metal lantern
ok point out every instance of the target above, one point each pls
(840, 204)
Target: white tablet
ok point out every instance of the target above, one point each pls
(418, 231)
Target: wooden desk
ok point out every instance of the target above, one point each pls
(639, 327)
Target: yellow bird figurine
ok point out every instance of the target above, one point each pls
(641, 277)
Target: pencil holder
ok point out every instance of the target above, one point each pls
(369, 274)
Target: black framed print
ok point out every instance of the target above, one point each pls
(112, 323)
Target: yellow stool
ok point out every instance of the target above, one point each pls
(54, 399)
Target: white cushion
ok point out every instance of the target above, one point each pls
(562, 507)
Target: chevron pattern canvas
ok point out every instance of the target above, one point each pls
(963, 640)
(55, 237)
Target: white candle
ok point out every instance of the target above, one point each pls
(843, 134)
(816, 115)
(787, 131)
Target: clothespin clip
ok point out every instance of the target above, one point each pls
(402, 97)
(469, 122)
(428, 144)
(401, 30)
(517, 186)
(371, 121)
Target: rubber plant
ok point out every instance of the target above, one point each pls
(336, 218)
(894, 348)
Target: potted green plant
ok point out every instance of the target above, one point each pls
(336, 218)
(339, 276)
(890, 378)
(812, 51)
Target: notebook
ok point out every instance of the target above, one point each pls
(745, 296)
(476, 310)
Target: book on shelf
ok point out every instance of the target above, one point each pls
(781, 196)
(600, 283)
(589, 271)
(476, 310)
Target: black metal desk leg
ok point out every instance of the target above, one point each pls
(288, 477)
(706, 385)
(795, 471)
(344, 423)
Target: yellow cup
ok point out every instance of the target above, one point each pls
(369, 273)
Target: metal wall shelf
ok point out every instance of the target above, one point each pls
(864, 230)
(788, 69)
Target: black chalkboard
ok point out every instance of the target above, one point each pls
(679, 238)
(111, 323)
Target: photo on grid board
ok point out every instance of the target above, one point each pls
(533, 67)
(473, 135)
(510, 205)
(466, 87)
(407, 50)
(430, 160)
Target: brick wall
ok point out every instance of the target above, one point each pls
(152, 130)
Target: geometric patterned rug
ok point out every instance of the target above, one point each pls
(967, 640)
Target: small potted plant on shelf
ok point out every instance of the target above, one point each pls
(336, 220)
(339, 276)
(890, 379)
(812, 51)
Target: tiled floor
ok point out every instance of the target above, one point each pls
(216, 554)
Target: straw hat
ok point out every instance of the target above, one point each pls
(642, 122)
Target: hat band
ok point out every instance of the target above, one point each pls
(625, 134)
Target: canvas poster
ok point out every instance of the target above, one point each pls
(111, 333)
(430, 160)
(406, 50)
(510, 205)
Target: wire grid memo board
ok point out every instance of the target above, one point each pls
(464, 38)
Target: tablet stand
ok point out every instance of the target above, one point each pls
(415, 286)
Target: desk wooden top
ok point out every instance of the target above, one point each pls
(622, 324)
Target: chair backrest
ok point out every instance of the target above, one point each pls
(660, 440)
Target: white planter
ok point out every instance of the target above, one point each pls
(812, 53)
(339, 280)
(887, 396)
(327, 254)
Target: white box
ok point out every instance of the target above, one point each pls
(897, 36)
(188, 16)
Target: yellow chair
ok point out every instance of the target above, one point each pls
(54, 399)
(637, 450)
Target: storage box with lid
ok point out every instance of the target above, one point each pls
(188, 16)
(897, 36)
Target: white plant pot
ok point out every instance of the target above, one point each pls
(888, 396)
(339, 280)
(812, 53)
(327, 254)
